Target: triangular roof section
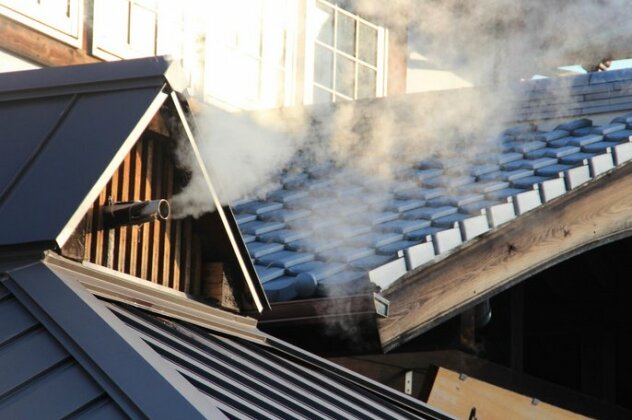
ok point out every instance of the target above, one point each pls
(66, 352)
(450, 231)
(67, 130)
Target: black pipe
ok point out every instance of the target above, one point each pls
(135, 213)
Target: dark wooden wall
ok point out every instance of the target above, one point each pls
(163, 252)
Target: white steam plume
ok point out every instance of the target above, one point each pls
(488, 42)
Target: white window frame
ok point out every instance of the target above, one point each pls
(107, 51)
(68, 30)
(266, 68)
(310, 50)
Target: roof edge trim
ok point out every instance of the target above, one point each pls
(228, 220)
(29, 81)
(107, 174)
(160, 300)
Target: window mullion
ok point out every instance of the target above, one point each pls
(335, 53)
(357, 58)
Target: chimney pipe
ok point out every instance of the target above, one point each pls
(134, 213)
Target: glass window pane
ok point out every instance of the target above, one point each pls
(340, 98)
(324, 20)
(324, 66)
(249, 29)
(366, 82)
(321, 96)
(367, 44)
(346, 34)
(345, 75)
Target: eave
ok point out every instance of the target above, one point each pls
(587, 217)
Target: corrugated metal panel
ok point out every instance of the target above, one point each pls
(252, 380)
(70, 143)
(38, 377)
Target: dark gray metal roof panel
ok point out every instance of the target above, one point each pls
(257, 380)
(118, 361)
(25, 124)
(39, 377)
(62, 149)
(60, 392)
(88, 352)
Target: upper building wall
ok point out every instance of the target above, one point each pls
(245, 54)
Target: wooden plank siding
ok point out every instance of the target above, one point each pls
(164, 252)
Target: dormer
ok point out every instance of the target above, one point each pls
(94, 170)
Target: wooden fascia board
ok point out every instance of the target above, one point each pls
(597, 213)
(319, 310)
(39, 48)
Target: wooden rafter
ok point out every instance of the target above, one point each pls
(598, 212)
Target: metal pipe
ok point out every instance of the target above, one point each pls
(135, 213)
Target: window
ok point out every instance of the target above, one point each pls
(61, 19)
(249, 53)
(237, 54)
(348, 55)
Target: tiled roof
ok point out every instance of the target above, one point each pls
(329, 231)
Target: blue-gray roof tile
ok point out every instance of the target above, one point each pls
(346, 254)
(553, 152)
(336, 215)
(370, 262)
(394, 247)
(318, 270)
(281, 289)
(285, 259)
(599, 147)
(575, 124)
(584, 140)
(258, 228)
(259, 207)
(259, 249)
(284, 236)
(618, 136)
(268, 273)
(608, 129)
(284, 215)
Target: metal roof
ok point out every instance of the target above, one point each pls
(39, 377)
(107, 358)
(64, 132)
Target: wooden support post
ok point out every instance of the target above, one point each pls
(215, 285)
(467, 330)
(517, 328)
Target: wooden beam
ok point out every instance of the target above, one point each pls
(466, 397)
(389, 369)
(596, 213)
(35, 46)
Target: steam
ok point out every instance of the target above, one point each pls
(490, 43)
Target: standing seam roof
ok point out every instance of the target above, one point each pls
(248, 379)
(39, 377)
